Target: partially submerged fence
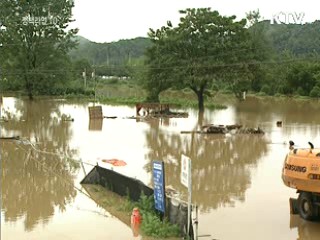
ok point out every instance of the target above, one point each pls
(177, 211)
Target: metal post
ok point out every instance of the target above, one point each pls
(0, 90)
(95, 85)
(189, 196)
(197, 222)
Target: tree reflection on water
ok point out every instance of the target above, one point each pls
(221, 166)
(34, 180)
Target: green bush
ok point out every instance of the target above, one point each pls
(9, 84)
(266, 89)
(315, 92)
(300, 91)
(151, 224)
(283, 89)
(261, 94)
(112, 81)
(227, 90)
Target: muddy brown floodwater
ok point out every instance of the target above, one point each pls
(236, 179)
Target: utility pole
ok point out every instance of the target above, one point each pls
(2, 28)
(84, 75)
(0, 91)
(93, 75)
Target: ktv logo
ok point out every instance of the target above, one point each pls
(288, 18)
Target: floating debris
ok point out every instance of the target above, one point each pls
(170, 114)
(10, 138)
(224, 129)
(161, 115)
(66, 118)
(251, 131)
(157, 110)
(115, 162)
(151, 108)
(133, 117)
(111, 117)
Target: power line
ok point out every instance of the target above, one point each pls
(181, 64)
(50, 170)
(146, 68)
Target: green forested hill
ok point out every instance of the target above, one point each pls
(115, 53)
(297, 39)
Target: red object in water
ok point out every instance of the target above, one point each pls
(135, 216)
(115, 162)
(135, 221)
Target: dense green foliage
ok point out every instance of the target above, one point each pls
(35, 44)
(206, 52)
(203, 49)
(265, 58)
(151, 223)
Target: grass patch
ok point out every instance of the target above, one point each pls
(107, 202)
(178, 102)
(187, 98)
(151, 226)
(189, 103)
(121, 100)
(154, 227)
(151, 223)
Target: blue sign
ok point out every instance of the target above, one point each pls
(158, 185)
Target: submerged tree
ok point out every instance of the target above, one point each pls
(35, 42)
(197, 52)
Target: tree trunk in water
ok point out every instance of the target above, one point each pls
(200, 101)
(30, 95)
(29, 88)
(200, 118)
(200, 97)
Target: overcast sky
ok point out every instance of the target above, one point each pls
(112, 20)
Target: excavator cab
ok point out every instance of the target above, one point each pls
(301, 171)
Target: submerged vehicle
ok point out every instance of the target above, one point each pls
(301, 171)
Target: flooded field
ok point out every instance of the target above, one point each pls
(236, 178)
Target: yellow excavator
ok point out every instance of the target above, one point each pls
(301, 171)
